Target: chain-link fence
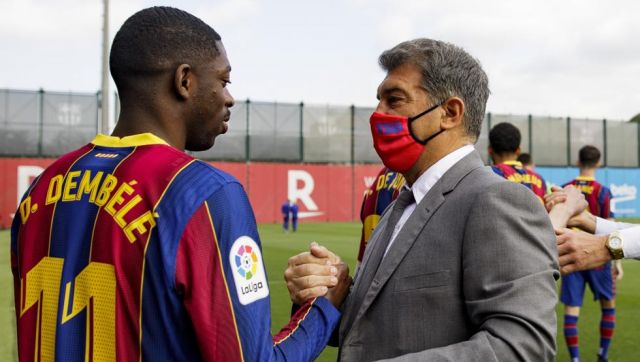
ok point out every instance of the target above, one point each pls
(43, 124)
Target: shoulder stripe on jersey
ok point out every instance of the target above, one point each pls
(309, 306)
(53, 213)
(224, 277)
(146, 247)
(98, 213)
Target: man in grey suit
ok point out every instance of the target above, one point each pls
(462, 267)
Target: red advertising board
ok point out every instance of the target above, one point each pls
(322, 192)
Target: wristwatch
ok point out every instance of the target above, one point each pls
(614, 244)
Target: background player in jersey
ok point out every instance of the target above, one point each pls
(526, 161)
(600, 280)
(378, 196)
(504, 148)
(130, 249)
(285, 209)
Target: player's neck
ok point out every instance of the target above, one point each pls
(505, 157)
(138, 120)
(588, 172)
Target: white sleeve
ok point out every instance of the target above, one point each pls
(605, 227)
(631, 242)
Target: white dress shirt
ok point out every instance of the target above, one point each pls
(630, 234)
(425, 182)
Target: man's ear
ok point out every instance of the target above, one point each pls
(518, 151)
(454, 112)
(183, 81)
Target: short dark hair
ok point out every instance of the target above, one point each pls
(158, 39)
(504, 138)
(589, 156)
(447, 71)
(524, 159)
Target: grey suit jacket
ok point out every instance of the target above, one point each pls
(470, 277)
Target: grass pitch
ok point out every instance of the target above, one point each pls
(343, 238)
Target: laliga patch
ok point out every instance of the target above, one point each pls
(246, 262)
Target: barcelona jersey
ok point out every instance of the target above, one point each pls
(513, 171)
(380, 194)
(129, 249)
(600, 279)
(598, 196)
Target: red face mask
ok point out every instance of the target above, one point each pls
(395, 143)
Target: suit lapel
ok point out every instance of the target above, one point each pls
(407, 236)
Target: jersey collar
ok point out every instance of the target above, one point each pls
(585, 178)
(513, 163)
(141, 139)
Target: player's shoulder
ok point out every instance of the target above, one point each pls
(218, 175)
(200, 172)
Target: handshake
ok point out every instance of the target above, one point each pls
(316, 273)
(578, 247)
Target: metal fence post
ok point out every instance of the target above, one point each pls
(98, 110)
(529, 121)
(353, 171)
(247, 139)
(40, 120)
(353, 138)
(301, 131)
(568, 141)
(116, 107)
(604, 136)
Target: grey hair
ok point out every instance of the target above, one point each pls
(447, 71)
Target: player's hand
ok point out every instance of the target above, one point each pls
(337, 294)
(310, 274)
(570, 196)
(556, 196)
(584, 220)
(578, 250)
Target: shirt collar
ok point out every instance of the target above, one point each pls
(425, 182)
(141, 139)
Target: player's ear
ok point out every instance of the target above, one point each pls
(183, 81)
(518, 150)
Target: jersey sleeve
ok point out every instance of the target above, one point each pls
(221, 274)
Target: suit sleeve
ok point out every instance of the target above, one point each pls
(226, 293)
(509, 272)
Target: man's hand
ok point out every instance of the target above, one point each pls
(580, 251)
(310, 274)
(337, 294)
(564, 203)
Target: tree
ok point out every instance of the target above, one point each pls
(635, 118)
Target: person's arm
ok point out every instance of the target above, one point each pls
(582, 251)
(221, 278)
(563, 204)
(509, 284)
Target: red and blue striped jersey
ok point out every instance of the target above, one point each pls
(513, 171)
(129, 249)
(598, 196)
(380, 194)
